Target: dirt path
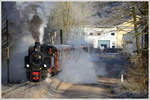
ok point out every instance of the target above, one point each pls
(101, 89)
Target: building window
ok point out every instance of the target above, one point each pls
(98, 33)
(112, 33)
(104, 46)
(91, 33)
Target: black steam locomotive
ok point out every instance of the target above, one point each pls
(41, 60)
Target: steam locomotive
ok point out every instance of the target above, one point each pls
(41, 60)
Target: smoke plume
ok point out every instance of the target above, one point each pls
(36, 17)
(34, 27)
(26, 23)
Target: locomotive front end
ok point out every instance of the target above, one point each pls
(41, 60)
(34, 62)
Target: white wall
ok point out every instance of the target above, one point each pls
(105, 35)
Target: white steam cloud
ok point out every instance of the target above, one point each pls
(77, 68)
(81, 66)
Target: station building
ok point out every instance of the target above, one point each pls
(101, 37)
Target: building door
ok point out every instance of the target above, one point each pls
(104, 43)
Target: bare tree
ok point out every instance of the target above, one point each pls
(66, 15)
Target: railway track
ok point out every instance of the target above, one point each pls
(37, 89)
(18, 88)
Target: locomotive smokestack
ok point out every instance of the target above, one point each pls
(37, 46)
(37, 43)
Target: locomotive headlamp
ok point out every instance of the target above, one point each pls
(39, 57)
(45, 65)
(36, 49)
(27, 65)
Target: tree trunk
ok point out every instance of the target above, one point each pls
(136, 31)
